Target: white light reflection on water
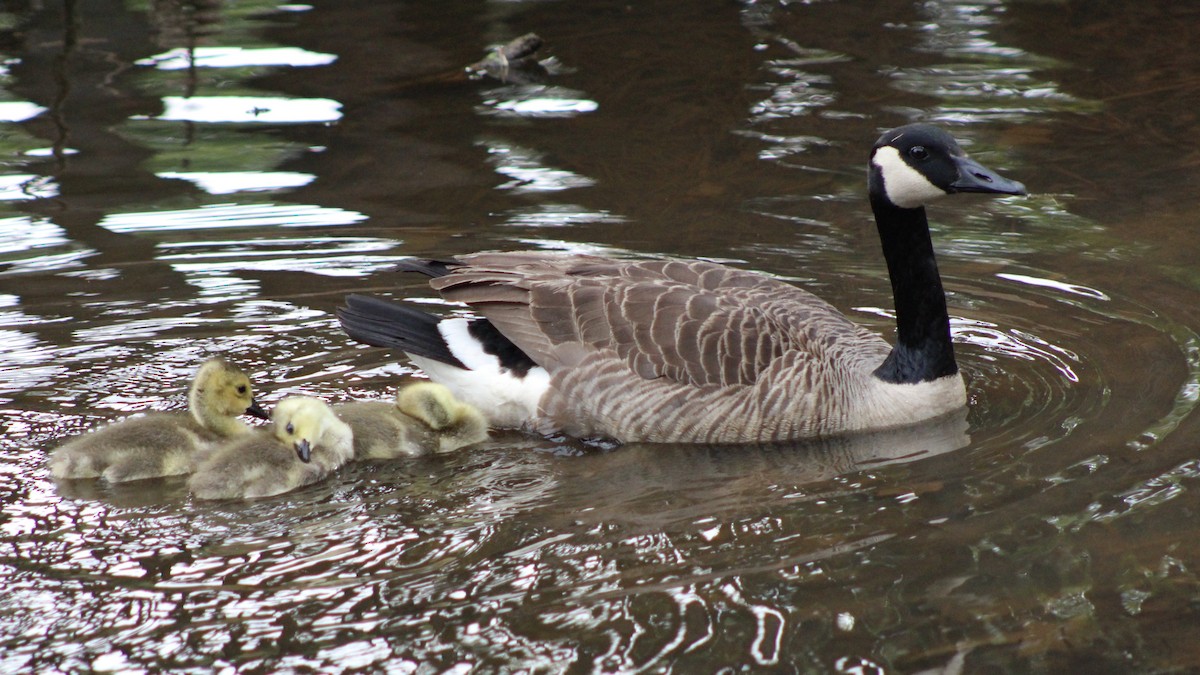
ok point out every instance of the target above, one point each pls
(236, 57)
(216, 216)
(536, 101)
(1074, 289)
(528, 171)
(975, 92)
(229, 182)
(1014, 343)
(138, 329)
(23, 362)
(28, 245)
(1149, 493)
(252, 109)
(797, 93)
(44, 262)
(50, 152)
(1006, 342)
(575, 247)
(987, 80)
(333, 256)
(22, 233)
(779, 147)
(558, 215)
(27, 186)
(960, 28)
(19, 111)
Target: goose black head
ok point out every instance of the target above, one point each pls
(915, 164)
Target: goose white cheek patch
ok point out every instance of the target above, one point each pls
(905, 186)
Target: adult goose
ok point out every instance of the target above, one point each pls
(693, 351)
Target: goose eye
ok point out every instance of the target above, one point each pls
(241, 388)
(918, 152)
(290, 429)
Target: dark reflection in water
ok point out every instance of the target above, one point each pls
(188, 178)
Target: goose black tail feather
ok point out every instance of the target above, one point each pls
(382, 323)
(430, 267)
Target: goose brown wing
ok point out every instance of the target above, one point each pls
(694, 323)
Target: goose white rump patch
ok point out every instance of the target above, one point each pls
(905, 186)
(506, 399)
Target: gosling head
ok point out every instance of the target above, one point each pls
(224, 389)
(301, 422)
(915, 164)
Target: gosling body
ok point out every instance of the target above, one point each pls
(304, 444)
(425, 419)
(164, 443)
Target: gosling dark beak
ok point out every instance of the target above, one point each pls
(257, 410)
(304, 450)
(975, 177)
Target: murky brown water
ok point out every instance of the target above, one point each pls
(188, 178)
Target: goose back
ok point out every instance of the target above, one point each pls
(673, 350)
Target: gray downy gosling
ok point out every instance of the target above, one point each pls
(304, 443)
(425, 419)
(164, 443)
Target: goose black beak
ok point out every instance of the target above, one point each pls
(304, 450)
(975, 177)
(257, 410)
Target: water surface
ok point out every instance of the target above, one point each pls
(181, 179)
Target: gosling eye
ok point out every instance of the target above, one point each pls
(290, 429)
(241, 389)
(918, 152)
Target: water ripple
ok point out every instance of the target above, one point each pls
(536, 102)
(35, 244)
(247, 109)
(217, 216)
(528, 170)
(236, 57)
(229, 182)
(19, 111)
(330, 256)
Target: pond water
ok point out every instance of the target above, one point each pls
(187, 178)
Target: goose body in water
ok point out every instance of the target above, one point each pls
(424, 419)
(304, 443)
(693, 351)
(164, 443)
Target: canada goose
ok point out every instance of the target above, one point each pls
(424, 419)
(164, 443)
(304, 443)
(692, 351)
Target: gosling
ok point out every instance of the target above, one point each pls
(425, 419)
(164, 443)
(304, 443)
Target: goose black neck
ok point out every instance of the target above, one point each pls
(923, 349)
